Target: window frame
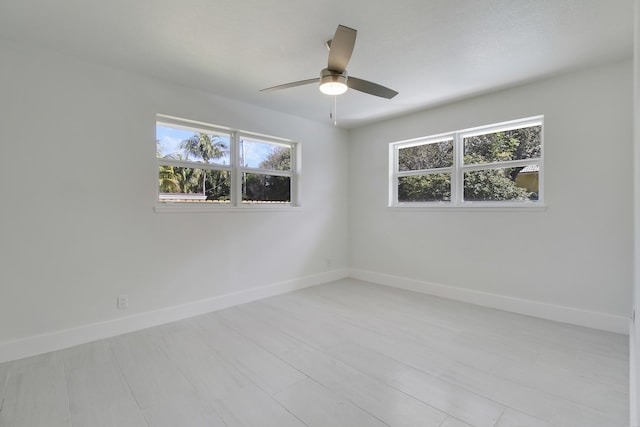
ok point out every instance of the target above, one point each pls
(235, 169)
(458, 168)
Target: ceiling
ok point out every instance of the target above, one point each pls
(431, 51)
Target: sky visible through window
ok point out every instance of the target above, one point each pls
(169, 140)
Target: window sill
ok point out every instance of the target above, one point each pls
(189, 208)
(473, 207)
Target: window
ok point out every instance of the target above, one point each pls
(204, 165)
(496, 165)
(266, 171)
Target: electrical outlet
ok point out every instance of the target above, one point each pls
(328, 262)
(123, 302)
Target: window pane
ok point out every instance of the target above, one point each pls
(264, 155)
(180, 184)
(265, 188)
(426, 156)
(192, 146)
(515, 184)
(514, 144)
(435, 187)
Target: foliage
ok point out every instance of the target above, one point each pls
(203, 147)
(492, 185)
(206, 147)
(260, 187)
(515, 144)
(426, 156)
(168, 180)
(486, 184)
(279, 160)
(425, 188)
(214, 184)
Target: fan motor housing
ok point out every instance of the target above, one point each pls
(327, 76)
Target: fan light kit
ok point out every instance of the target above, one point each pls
(333, 84)
(333, 88)
(333, 79)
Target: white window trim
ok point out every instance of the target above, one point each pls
(235, 168)
(458, 169)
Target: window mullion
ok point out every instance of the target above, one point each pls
(193, 165)
(295, 201)
(501, 165)
(457, 178)
(273, 172)
(424, 172)
(394, 175)
(236, 178)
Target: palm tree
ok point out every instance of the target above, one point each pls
(178, 179)
(205, 147)
(168, 180)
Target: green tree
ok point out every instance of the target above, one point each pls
(493, 185)
(426, 156)
(218, 186)
(425, 188)
(487, 184)
(178, 179)
(204, 148)
(261, 187)
(279, 160)
(515, 144)
(168, 180)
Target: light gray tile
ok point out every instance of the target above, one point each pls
(506, 392)
(449, 398)
(617, 402)
(343, 353)
(208, 372)
(317, 406)
(571, 414)
(315, 330)
(368, 361)
(184, 410)
(513, 418)
(262, 367)
(565, 385)
(386, 403)
(4, 373)
(98, 392)
(257, 330)
(85, 356)
(250, 407)
(411, 353)
(452, 422)
(36, 393)
(153, 379)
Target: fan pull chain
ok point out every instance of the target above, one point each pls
(333, 113)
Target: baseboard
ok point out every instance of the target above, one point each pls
(634, 391)
(558, 313)
(39, 344)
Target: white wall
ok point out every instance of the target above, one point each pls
(634, 337)
(78, 181)
(577, 254)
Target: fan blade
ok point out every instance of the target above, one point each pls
(341, 48)
(370, 88)
(292, 84)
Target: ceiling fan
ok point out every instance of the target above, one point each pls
(334, 79)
